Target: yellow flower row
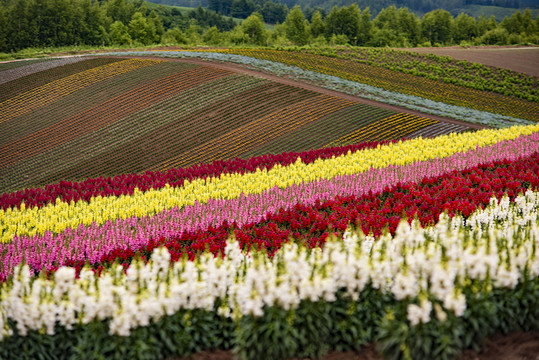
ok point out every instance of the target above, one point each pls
(60, 215)
(48, 93)
(391, 127)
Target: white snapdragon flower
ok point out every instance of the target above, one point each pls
(419, 314)
(405, 286)
(66, 314)
(48, 316)
(441, 315)
(120, 324)
(455, 302)
(442, 281)
(105, 302)
(506, 277)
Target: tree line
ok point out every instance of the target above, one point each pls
(53, 23)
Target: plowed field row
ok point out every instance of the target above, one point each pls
(55, 90)
(106, 113)
(21, 85)
(250, 136)
(393, 127)
(15, 64)
(199, 127)
(81, 158)
(84, 99)
(438, 129)
(401, 82)
(29, 69)
(317, 133)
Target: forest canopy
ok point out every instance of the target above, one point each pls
(56, 23)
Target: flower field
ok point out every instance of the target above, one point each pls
(353, 66)
(444, 68)
(154, 205)
(279, 256)
(77, 118)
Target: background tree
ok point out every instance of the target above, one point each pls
(274, 13)
(174, 36)
(242, 8)
(139, 30)
(318, 27)
(254, 28)
(365, 28)
(296, 27)
(220, 6)
(344, 21)
(4, 45)
(465, 28)
(212, 36)
(437, 26)
(409, 27)
(119, 34)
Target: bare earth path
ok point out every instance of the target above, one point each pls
(520, 59)
(513, 346)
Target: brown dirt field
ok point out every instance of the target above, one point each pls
(520, 59)
(513, 346)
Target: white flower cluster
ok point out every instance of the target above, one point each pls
(350, 87)
(497, 245)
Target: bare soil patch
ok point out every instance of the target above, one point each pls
(520, 59)
(513, 346)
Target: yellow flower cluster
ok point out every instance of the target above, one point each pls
(392, 127)
(58, 216)
(50, 92)
(234, 143)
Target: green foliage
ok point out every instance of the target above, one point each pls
(270, 336)
(26, 24)
(437, 26)
(182, 334)
(174, 36)
(253, 27)
(296, 29)
(119, 34)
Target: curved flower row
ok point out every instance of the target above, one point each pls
(32, 68)
(46, 94)
(308, 212)
(434, 273)
(61, 215)
(125, 184)
(347, 67)
(331, 82)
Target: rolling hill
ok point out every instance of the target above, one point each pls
(74, 118)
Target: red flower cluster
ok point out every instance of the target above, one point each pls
(461, 192)
(126, 183)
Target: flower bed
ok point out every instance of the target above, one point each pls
(424, 246)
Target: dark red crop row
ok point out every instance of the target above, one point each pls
(126, 183)
(461, 192)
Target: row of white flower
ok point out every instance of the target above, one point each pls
(351, 87)
(497, 245)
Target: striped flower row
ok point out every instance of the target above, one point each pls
(58, 216)
(495, 247)
(308, 212)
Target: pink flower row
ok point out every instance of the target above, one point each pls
(126, 183)
(92, 242)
